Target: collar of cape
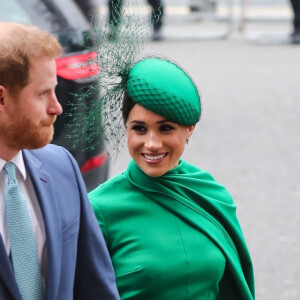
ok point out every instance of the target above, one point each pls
(197, 198)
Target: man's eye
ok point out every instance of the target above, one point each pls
(139, 128)
(44, 93)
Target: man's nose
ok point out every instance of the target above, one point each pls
(54, 106)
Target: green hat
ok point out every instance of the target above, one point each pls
(163, 87)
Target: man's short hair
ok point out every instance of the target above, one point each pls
(19, 45)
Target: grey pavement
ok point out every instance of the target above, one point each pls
(249, 136)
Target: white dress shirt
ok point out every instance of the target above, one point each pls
(33, 206)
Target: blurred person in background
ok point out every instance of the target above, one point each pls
(50, 244)
(115, 9)
(295, 37)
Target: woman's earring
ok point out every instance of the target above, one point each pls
(187, 140)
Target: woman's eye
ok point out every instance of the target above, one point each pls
(139, 128)
(166, 127)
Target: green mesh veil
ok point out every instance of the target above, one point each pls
(152, 81)
(118, 45)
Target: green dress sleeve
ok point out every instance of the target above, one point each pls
(100, 218)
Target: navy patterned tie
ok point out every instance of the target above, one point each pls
(22, 244)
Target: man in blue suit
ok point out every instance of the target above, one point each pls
(71, 257)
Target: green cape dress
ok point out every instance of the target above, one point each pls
(173, 237)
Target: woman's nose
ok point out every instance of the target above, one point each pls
(153, 141)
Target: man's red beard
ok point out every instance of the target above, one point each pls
(22, 133)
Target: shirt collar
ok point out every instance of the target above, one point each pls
(19, 163)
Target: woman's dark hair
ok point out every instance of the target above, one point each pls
(127, 106)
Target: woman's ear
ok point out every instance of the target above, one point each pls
(190, 130)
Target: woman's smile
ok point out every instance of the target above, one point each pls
(154, 158)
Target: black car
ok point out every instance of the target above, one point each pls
(75, 73)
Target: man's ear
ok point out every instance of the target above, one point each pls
(3, 93)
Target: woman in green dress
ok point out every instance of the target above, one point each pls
(170, 228)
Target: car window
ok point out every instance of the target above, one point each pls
(51, 15)
(11, 11)
(62, 18)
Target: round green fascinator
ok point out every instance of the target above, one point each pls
(164, 88)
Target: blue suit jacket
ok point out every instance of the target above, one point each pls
(78, 263)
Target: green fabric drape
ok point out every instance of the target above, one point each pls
(189, 195)
(207, 206)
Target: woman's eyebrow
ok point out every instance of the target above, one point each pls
(142, 122)
(163, 121)
(137, 121)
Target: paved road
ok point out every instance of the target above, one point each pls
(249, 139)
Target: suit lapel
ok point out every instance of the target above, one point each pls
(44, 187)
(6, 273)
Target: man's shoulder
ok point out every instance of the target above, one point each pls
(48, 149)
(56, 163)
(50, 155)
(48, 152)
